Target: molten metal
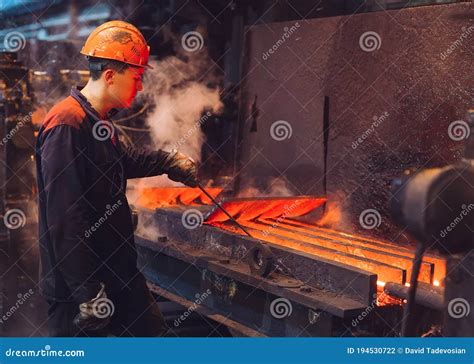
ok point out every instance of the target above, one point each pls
(157, 197)
(247, 209)
(273, 220)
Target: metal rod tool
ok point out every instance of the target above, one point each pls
(223, 210)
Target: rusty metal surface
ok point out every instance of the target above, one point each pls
(239, 328)
(340, 305)
(331, 277)
(412, 89)
(301, 249)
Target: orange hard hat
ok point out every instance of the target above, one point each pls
(120, 41)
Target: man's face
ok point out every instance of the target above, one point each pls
(126, 85)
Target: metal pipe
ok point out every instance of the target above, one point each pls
(407, 323)
(426, 295)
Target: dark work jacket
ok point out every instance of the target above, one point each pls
(85, 225)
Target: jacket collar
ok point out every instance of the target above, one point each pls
(86, 105)
(91, 112)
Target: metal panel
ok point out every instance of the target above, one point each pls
(409, 83)
(331, 277)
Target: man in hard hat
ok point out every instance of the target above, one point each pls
(88, 257)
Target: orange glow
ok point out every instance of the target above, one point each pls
(396, 254)
(274, 220)
(265, 208)
(384, 299)
(38, 116)
(390, 262)
(289, 240)
(156, 197)
(332, 216)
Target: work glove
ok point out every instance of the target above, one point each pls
(95, 314)
(181, 169)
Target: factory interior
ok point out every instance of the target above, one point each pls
(334, 141)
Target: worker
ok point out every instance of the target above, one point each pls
(89, 273)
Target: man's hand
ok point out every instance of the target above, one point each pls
(95, 314)
(182, 169)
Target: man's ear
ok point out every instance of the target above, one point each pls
(108, 76)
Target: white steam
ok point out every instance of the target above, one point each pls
(176, 121)
(178, 87)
